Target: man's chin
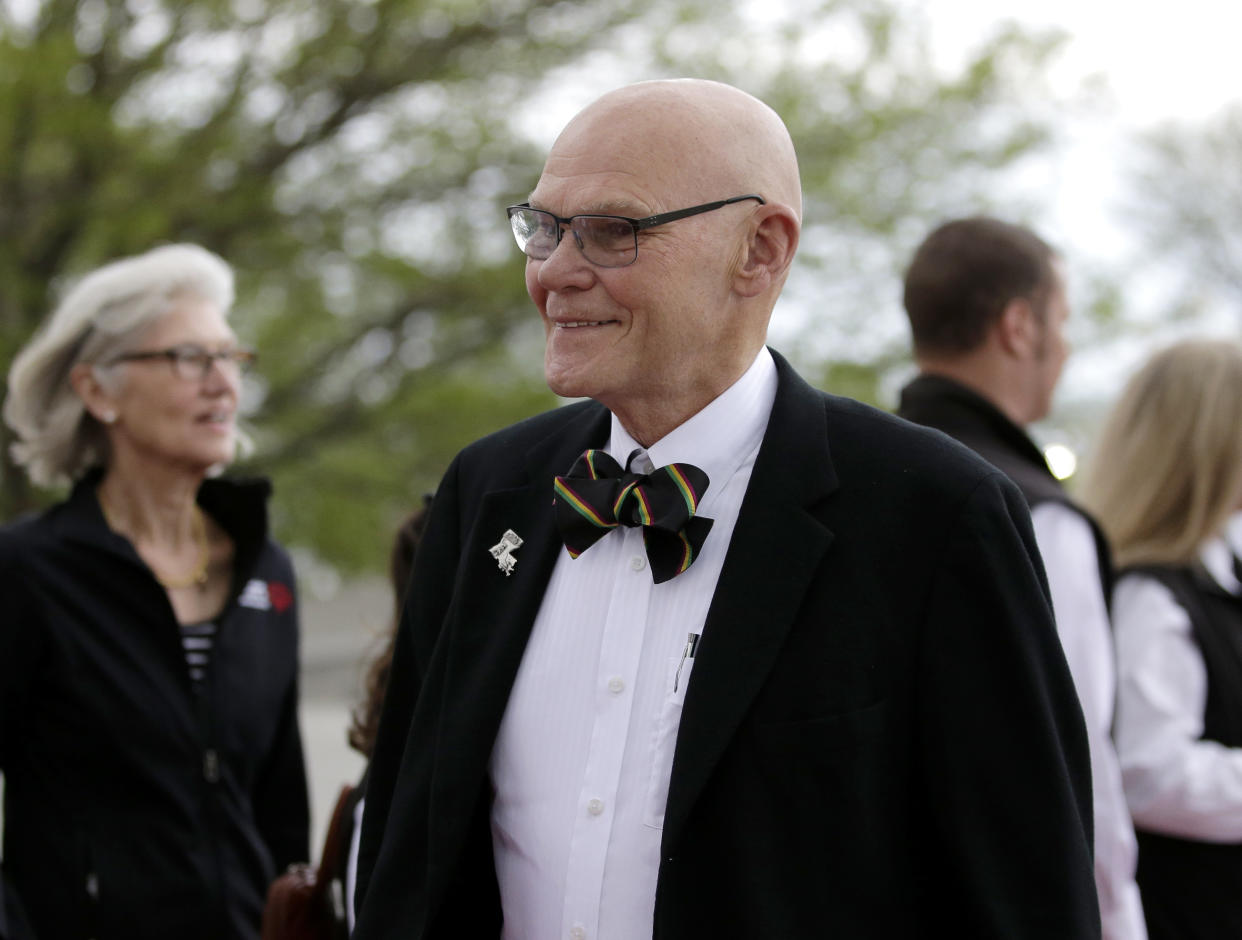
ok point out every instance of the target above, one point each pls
(568, 388)
(570, 381)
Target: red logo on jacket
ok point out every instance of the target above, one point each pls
(280, 595)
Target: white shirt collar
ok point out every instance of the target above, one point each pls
(721, 436)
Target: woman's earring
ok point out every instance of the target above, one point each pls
(108, 417)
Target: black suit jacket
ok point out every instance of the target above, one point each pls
(880, 737)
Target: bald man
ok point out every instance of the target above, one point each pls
(712, 653)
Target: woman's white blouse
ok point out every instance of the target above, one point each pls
(1174, 782)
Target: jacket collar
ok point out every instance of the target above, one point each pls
(239, 506)
(965, 414)
(493, 614)
(777, 548)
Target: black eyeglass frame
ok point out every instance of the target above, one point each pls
(178, 357)
(638, 225)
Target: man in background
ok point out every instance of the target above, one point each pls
(987, 308)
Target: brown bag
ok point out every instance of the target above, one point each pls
(300, 903)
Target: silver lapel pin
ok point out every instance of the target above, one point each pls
(503, 551)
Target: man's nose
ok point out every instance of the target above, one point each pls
(566, 265)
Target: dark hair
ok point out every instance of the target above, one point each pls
(964, 274)
(365, 718)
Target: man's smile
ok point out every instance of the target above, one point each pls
(574, 324)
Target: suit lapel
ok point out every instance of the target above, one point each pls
(495, 614)
(776, 549)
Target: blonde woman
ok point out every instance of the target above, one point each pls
(1165, 479)
(148, 646)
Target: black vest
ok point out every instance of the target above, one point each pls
(937, 402)
(1193, 890)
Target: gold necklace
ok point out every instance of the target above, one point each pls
(198, 574)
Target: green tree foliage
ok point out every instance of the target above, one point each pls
(351, 159)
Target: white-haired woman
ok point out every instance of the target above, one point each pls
(148, 645)
(1164, 482)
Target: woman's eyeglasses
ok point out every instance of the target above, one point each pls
(193, 363)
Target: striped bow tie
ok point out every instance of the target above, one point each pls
(597, 495)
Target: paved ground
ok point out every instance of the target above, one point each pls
(329, 761)
(339, 636)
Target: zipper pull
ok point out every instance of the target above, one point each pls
(211, 766)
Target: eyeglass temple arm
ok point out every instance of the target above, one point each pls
(693, 210)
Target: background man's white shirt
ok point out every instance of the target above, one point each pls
(1068, 547)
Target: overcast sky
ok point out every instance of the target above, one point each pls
(1163, 60)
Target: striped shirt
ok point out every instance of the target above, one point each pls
(197, 640)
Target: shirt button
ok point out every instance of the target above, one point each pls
(638, 563)
(616, 685)
(577, 933)
(595, 807)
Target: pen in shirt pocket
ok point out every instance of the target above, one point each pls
(692, 645)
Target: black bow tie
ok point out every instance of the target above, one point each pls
(597, 495)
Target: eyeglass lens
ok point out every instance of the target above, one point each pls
(195, 363)
(605, 240)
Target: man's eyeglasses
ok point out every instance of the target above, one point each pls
(610, 241)
(193, 363)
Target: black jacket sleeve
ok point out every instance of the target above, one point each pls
(22, 649)
(426, 602)
(1000, 720)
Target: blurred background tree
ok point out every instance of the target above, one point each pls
(352, 158)
(1188, 207)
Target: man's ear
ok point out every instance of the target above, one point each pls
(1017, 330)
(768, 252)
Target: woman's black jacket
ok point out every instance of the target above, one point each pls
(134, 806)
